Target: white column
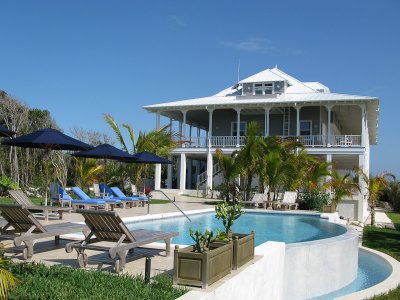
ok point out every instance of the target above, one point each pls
(169, 174)
(157, 119)
(362, 211)
(327, 178)
(182, 175)
(363, 125)
(266, 122)
(238, 127)
(298, 120)
(329, 109)
(210, 125)
(209, 170)
(157, 177)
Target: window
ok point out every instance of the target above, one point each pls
(263, 88)
(305, 127)
(243, 128)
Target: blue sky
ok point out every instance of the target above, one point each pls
(79, 59)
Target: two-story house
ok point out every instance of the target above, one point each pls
(336, 127)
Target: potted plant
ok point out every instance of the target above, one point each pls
(243, 244)
(203, 263)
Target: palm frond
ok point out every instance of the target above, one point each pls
(110, 121)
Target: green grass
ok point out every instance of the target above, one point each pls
(158, 201)
(8, 200)
(387, 241)
(37, 281)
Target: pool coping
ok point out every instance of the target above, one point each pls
(390, 283)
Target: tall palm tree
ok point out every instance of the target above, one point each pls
(342, 185)
(230, 169)
(250, 156)
(376, 187)
(158, 141)
(87, 171)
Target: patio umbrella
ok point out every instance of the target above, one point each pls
(105, 151)
(47, 139)
(5, 132)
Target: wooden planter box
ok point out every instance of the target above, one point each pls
(329, 208)
(243, 248)
(202, 269)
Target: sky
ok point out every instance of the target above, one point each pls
(81, 59)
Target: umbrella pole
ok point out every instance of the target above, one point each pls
(105, 178)
(47, 157)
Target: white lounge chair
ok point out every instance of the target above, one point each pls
(289, 200)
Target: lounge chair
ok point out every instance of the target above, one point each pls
(289, 200)
(26, 229)
(22, 199)
(258, 198)
(108, 227)
(108, 203)
(56, 197)
(135, 192)
(94, 203)
(99, 192)
(131, 200)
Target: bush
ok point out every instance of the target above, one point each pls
(313, 200)
(38, 281)
(6, 183)
(392, 195)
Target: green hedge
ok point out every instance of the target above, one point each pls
(37, 281)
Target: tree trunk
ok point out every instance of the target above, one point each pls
(372, 215)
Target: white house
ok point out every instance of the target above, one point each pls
(337, 127)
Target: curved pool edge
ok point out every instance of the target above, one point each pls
(390, 283)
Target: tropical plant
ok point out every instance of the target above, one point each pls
(250, 156)
(6, 183)
(87, 171)
(230, 169)
(313, 200)
(202, 240)
(392, 195)
(228, 214)
(158, 141)
(7, 279)
(343, 186)
(375, 188)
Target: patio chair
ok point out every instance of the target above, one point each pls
(21, 198)
(26, 229)
(56, 197)
(87, 204)
(107, 202)
(258, 198)
(99, 192)
(108, 227)
(140, 200)
(289, 200)
(135, 192)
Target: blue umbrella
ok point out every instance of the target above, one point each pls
(5, 132)
(149, 158)
(48, 139)
(105, 151)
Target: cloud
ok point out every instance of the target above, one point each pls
(259, 45)
(176, 22)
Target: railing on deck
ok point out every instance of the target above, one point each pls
(306, 140)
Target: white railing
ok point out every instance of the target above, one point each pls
(306, 140)
(201, 178)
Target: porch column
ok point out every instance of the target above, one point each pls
(298, 120)
(182, 174)
(210, 126)
(327, 178)
(190, 134)
(189, 173)
(238, 127)
(329, 109)
(266, 122)
(209, 171)
(157, 177)
(157, 171)
(198, 137)
(363, 125)
(362, 212)
(169, 173)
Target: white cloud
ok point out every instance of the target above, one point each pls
(260, 45)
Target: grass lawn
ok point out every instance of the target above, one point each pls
(8, 200)
(387, 241)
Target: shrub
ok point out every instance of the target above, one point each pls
(38, 281)
(6, 183)
(313, 200)
(392, 195)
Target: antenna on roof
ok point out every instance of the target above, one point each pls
(276, 66)
(238, 71)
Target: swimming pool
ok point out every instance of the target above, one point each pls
(287, 228)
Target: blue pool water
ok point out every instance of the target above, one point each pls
(371, 271)
(288, 228)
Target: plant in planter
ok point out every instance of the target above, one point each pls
(203, 263)
(243, 244)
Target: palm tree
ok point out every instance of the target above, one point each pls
(376, 187)
(342, 185)
(158, 141)
(7, 279)
(230, 170)
(87, 171)
(250, 156)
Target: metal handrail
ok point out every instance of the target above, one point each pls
(173, 202)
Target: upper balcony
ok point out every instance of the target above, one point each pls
(307, 141)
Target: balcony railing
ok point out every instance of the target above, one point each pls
(306, 140)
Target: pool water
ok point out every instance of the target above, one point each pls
(371, 270)
(288, 228)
